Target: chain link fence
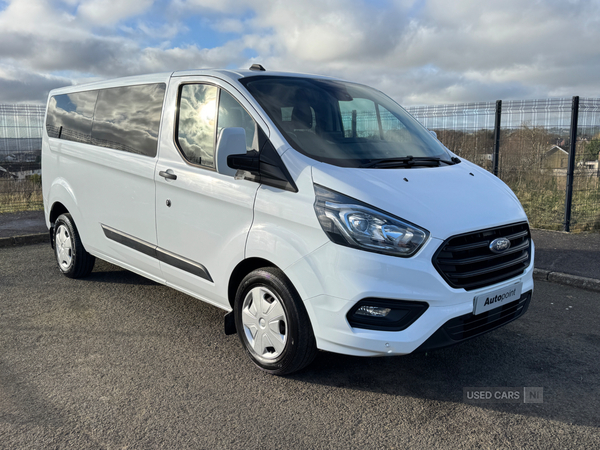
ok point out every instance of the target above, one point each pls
(527, 143)
(20, 157)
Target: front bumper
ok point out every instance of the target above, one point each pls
(335, 278)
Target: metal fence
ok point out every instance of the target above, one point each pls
(547, 151)
(20, 157)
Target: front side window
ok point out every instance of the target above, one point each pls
(196, 123)
(341, 123)
(232, 114)
(205, 110)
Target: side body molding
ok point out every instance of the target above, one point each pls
(156, 252)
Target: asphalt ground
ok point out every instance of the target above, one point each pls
(572, 253)
(116, 361)
(22, 223)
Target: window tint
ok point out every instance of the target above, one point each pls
(196, 123)
(128, 118)
(232, 114)
(70, 116)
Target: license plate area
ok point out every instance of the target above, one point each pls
(496, 298)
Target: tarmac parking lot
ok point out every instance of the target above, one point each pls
(116, 361)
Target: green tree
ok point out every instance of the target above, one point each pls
(592, 149)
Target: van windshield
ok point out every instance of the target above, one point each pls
(345, 124)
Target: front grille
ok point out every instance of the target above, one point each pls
(466, 261)
(468, 326)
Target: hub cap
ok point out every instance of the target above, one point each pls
(64, 247)
(265, 323)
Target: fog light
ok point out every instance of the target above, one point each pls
(384, 314)
(372, 311)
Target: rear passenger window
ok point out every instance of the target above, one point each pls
(128, 118)
(196, 123)
(70, 116)
(125, 118)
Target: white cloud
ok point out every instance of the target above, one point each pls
(18, 86)
(428, 51)
(229, 25)
(224, 6)
(477, 47)
(110, 12)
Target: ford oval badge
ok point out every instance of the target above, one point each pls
(499, 245)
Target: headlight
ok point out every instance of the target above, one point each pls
(349, 222)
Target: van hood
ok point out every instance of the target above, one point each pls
(444, 200)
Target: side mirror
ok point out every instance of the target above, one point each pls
(433, 133)
(232, 141)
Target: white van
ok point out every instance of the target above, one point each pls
(317, 212)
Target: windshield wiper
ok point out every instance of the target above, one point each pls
(408, 161)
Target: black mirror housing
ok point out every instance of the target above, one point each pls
(248, 162)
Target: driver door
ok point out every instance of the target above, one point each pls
(202, 217)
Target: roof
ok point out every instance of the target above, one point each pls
(125, 81)
(555, 149)
(237, 74)
(232, 75)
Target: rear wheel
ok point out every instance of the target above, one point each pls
(72, 259)
(272, 323)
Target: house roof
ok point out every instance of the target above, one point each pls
(555, 149)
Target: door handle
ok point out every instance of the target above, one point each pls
(167, 174)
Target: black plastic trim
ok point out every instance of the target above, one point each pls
(468, 326)
(156, 252)
(129, 241)
(182, 263)
(272, 169)
(264, 167)
(51, 231)
(457, 253)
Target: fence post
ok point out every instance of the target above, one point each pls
(571, 167)
(497, 136)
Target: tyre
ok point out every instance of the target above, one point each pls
(272, 323)
(72, 259)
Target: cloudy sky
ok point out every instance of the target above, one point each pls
(418, 51)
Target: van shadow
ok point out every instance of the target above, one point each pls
(508, 357)
(105, 272)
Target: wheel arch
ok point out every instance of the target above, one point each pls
(62, 200)
(56, 210)
(241, 270)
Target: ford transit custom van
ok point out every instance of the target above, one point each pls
(316, 212)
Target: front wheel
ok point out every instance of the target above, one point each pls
(272, 323)
(72, 259)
